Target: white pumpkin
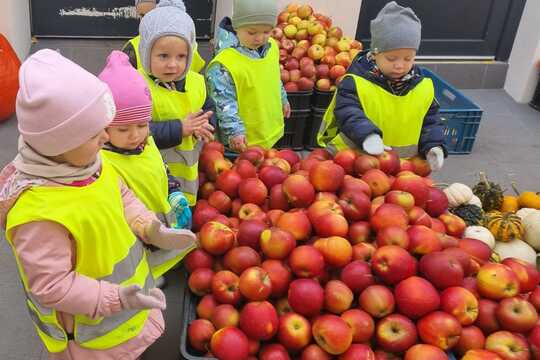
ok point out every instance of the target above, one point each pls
(531, 229)
(475, 200)
(458, 194)
(522, 213)
(480, 233)
(516, 248)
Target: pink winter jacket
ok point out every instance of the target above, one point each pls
(53, 282)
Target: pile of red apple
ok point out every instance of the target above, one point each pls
(350, 257)
(312, 53)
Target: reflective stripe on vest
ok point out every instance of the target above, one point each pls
(106, 249)
(171, 104)
(163, 260)
(145, 174)
(258, 89)
(400, 118)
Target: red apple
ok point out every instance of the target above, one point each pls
(337, 71)
(200, 332)
(416, 297)
(216, 167)
(401, 198)
(226, 287)
(418, 216)
(393, 264)
(423, 240)
(471, 338)
(421, 166)
(306, 261)
(363, 251)
(357, 276)
(396, 333)
(314, 352)
(229, 343)
(508, 346)
(439, 329)
(336, 250)
(326, 176)
(245, 169)
(364, 163)
(516, 314)
(359, 232)
(306, 297)
(437, 202)
(332, 334)
(200, 281)
(425, 351)
(393, 235)
(228, 181)
(356, 205)
(497, 281)
(442, 270)
(249, 233)
(225, 315)
(289, 155)
(471, 284)
(197, 259)
(216, 238)
(331, 225)
(460, 303)
(280, 276)
(454, 225)
(299, 191)
(241, 258)
(345, 159)
(255, 284)
(323, 207)
(361, 324)
(251, 212)
(378, 181)
(259, 320)
(291, 87)
(305, 84)
(413, 184)
(389, 215)
(478, 354)
(358, 352)
(326, 196)
(206, 307)
(534, 341)
(479, 251)
(294, 331)
(297, 223)
(534, 298)
(277, 243)
(377, 300)
(278, 200)
(337, 297)
(487, 320)
(389, 162)
(323, 84)
(206, 190)
(294, 75)
(272, 175)
(355, 185)
(202, 214)
(253, 191)
(527, 274)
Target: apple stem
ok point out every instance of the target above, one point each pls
(514, 187)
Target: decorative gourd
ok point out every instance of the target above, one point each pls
(480, 233)
(527, 199)
(504, 226)
(531, 229)
(523, 212)
(516, 248)
(475, 200)
(458, 194)
(509, 204)
(489, 193)
(471, 214)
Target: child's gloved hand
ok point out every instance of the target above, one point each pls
(182, 212)
(435, 158)
(169, 239)
(374, 145)
(238, 143)
(132, 298)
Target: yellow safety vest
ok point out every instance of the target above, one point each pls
(197, 63)
(107, 250)
(400, 118)
(258, 88)
(167, 104)
(146, 176)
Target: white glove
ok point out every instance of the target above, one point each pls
(435, 158)
(132, 298)
(374, 145)
(169, 239)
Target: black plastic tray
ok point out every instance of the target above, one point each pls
(312, 128)
(321, 99)
(300, 100)
(293, 135)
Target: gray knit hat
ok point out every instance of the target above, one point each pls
(254, 12)
(168, 18)
(395, 27)
(137, 2)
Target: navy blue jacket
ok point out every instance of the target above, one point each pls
(353, 122)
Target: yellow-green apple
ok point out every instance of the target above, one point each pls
(304, 11)
(255, 284)
(425, 351)
(251, 211)
(206, 190)
(280, 276)
(343, 45)
(441, 269)
(365, 162)
(393, 235)
(306, 297)
(332, 334)
(323, 84)
(216, 238)
(516, 314)
(225, 315)
(319, 39)
(326, 176)
(393, 264)
(301, 34)
(315, 28)
(206, 307)
(454, 225)
(358, 352)
(351, 183)
(527, 274)
(343, 58)
(196, 259)
(418, 216)
(487, 320)
(401, 198)
(200, 281)
(460, 303)
(508, 346)
(278, 200)
(335, 32)
(336, 250)
(299, 191)
(497, 281)
(363, 251)
(346, 159)
(306, 261)
(471, 338)
(228, 181)
(202, 214)
(297, 223)
(241, 258)
(252, 190)
(259, 320)
(290, 31)
(337, 297)
(359, 232)
(357, 275)
(249, 233)
(389, 215)
(437, 202)
(439, 329)
(361, 323)
(413, 184)
(200, 332)
(416, 297)
(282, 306)
(277, 243)
(356, 205)
(377, 300)
(396, 333)
(294, 331)
(226, 287)
(389, 162)
(315, 352)
(316, 52)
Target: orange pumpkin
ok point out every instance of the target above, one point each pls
(9, 78)
(529, 199)
(509, 204)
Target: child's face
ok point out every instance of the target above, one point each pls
(144, 7)
(168, 59)
(85, 154)
(395, 64)
(128, 137)
(254, 36)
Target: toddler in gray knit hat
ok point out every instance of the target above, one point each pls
(144, 6)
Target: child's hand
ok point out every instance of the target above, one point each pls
(194, 121)
(374, 145)
(132, 297)
(205, 133)
(287, 110)
(435, 158)
(169, 239)
(238, 143)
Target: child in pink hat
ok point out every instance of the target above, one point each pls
(72, 224)
(133, 153)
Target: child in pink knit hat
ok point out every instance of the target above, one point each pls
(72, 224)
(133, 153)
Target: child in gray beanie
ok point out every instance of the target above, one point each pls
(384, 100)
(181, 112)
(244, 78)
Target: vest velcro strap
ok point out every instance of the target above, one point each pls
(124, 269)
(186, 157)
(406, 151)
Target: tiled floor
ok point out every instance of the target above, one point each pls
(507, 148)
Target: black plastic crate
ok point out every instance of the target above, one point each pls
(300, 100)
(293, 135)
(321, 99)
(312, 128)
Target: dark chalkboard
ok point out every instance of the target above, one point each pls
(105, 18)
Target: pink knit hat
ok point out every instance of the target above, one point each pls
(60, 106)
(129, 89)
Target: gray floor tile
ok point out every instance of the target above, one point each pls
(462, 76)
(495, 75)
